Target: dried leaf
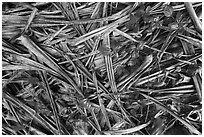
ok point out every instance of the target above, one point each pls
(127, 131)
(168, 10)
(104, 50)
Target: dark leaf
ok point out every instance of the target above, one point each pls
(104, 50)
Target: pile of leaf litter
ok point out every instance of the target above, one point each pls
(101, 68)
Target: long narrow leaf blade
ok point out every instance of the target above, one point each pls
(187, 124)
(127, 131)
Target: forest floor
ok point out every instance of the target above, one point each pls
(95, 68)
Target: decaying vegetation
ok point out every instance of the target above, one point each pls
(101, 68)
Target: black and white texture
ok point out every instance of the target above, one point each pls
(101, 68)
